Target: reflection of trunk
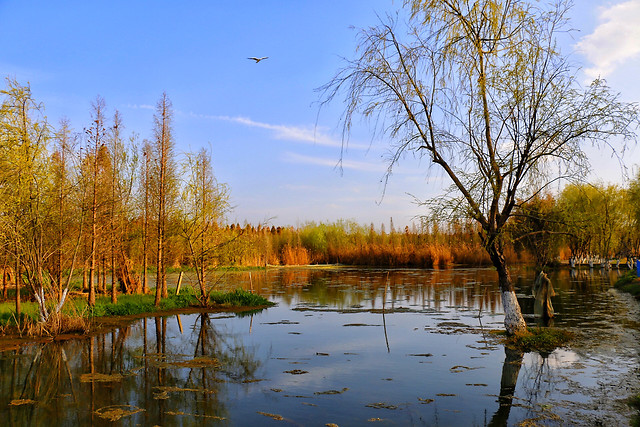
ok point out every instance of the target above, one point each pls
(513, 320)
(510, 371)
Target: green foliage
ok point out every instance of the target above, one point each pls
(629, 283)
(238, 298)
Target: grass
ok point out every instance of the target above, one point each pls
(77, 315)
(239, 298)
(542, 340)
(629, 283)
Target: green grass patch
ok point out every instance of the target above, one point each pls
(238, 298)
(629, 283)
(141, 304)
(134, 304)
(542, 340)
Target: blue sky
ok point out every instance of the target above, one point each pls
(269, 141)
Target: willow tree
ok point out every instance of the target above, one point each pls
(482, 91)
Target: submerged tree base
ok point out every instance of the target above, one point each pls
(543, 340)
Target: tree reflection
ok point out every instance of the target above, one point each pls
(510, 371)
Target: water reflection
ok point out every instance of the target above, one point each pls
(343, 346)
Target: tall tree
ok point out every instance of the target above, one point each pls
(96, 134)
(163, 146)
(482, 90)
(146, 187)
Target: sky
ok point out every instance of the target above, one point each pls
(271, 143)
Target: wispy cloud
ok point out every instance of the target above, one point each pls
(334, 163)
(306, 134)
(140, 106)
(614, 41)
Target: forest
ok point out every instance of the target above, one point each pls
(82, 209)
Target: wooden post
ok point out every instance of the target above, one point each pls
(179, 283)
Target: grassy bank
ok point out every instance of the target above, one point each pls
(77, 316)
(629, 283)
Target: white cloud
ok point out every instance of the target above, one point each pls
(140, 106)
(614, 41)
(334, 163)
(309, 134)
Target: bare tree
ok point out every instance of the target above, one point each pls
(96, 134)
(481, 90)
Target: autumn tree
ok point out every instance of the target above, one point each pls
(483, 92)
(163, 150)
(96, 135)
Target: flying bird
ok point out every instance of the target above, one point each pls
(258, 59)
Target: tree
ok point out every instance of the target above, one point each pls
(481, 90)
(163, 146)
(204, 204)
(25, 181)
(96, 134)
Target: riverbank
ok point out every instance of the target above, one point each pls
(78, 318)
(629, 283)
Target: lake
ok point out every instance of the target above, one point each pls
(345, 346)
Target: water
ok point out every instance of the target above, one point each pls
(343, 346)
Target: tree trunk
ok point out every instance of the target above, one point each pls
(513, 321)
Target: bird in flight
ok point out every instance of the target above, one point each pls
(258, 59)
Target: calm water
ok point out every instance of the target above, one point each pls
(343, 346)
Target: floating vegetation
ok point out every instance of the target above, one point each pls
(460, 368)
(296, 372)
(420, 354)
(359, 324)
(162, 392)
(452, 325)
(161, 361)
(20, 402)
(282, 322)
(309, 404)
(381, 405)
(477, 385)
(100, 378)
(373, 420)
(255, 380)
(198, 362)
(425, 401)
(116, 412)
(331, 425)
(446, 394)
(274, 416)
(277, 390)
(214, 417)
(332, 391)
